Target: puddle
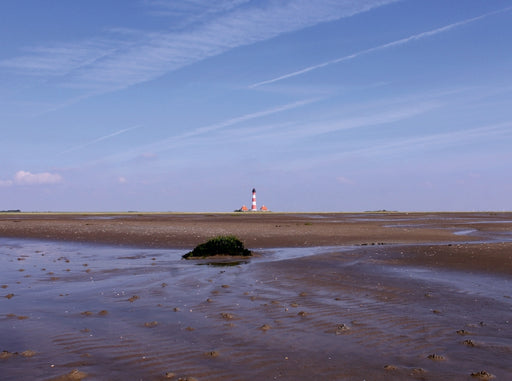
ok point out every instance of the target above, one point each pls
(280, 254)
(489, 286)
(223, 264)
(465, 232)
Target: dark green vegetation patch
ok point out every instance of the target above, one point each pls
(220, 245)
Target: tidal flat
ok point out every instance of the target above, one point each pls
(368, 296)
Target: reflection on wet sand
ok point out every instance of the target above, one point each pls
(146, 314)
(72, 311)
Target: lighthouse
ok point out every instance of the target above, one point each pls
(253, 207)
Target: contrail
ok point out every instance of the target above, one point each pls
(165, 144)
(100, 139)
(247, 117)
(402, 41)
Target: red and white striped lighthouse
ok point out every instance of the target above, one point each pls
(253, 207)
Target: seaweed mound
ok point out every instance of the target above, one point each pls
(220, 245)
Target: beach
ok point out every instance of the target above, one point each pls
(326, 296)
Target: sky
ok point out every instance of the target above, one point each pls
(325, 105)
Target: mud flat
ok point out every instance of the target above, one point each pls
(327, 297)
(176, 230)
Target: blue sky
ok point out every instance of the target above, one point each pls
(347, 105)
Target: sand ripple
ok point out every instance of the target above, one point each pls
(145, 314)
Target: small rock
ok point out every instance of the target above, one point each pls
(226, 315)
(5, 354)
(74, 375)
(341, 328)
(436, 357)
(418, 371)
(482, 375)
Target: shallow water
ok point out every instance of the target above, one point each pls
(477, 285)
(311, 313)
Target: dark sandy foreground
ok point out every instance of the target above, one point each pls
(328, 297)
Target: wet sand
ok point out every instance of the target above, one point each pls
(327, 297)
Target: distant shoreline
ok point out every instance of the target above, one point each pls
(256, 229)
(134, 212)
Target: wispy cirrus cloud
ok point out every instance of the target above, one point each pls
(59, 59)
(247, 117)
(371, 114)
(400, 146)
(300, 130)
(190, 10)
(191, 137)
(402, 41)
(101, 138)
(236, 129)
(437, 141)
(107, 64)
(376, 116)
